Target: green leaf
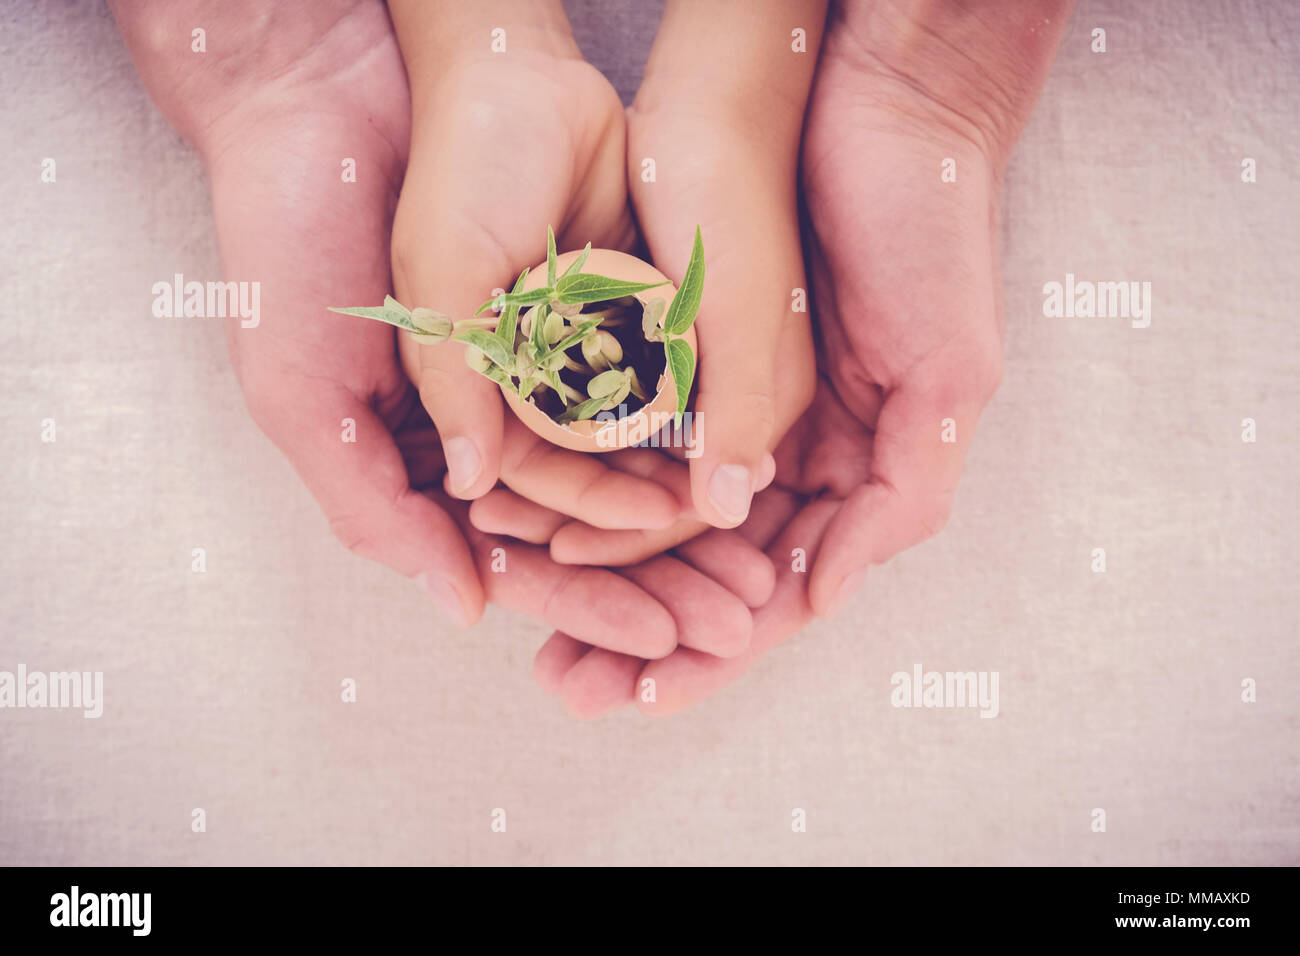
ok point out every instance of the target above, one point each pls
(538, 330)
(686, 303)
(531, 297)
(681, 361)
(583, 411)
(576, 265)
(619, 396)
(581, 287)
(554, 327)
(432, 324)
(383, 314)
(550, 257)
(391, 303)
(525, 360)
(606, 384)
(558, 384)
(488, 344)
(574, 338)
(651, 313)
(510, 317)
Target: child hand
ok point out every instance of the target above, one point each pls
(504, 144)
(719, 116)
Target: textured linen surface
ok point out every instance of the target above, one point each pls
(1118, 690)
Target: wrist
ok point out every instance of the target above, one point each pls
(748, 65)
(171, 57)
(977, 70)
(440, 38)
(258, 63)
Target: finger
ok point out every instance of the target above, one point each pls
(600, 683)
(924, 430)
(739, 327)
(580, 543)
(655, 465)
(503, 512)
(736, 409)
(658, 467)
(441, 266)
(772, 511)
(363, 488)
(736, 564)
(708, 616)
(556, 658)
(466, 407)
(775, 510)
(581, 485)
(593, 605)
(687, 676)
(607, 680)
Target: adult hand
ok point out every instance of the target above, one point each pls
(276, 110)
(903, 161)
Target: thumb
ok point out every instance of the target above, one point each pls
(738, 328)
(923, 433)
(363, 488)
(444, 271)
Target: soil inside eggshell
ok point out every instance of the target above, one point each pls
(646, 358)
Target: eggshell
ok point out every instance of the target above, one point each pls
(590, 436)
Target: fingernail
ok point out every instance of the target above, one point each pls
(848, 587)
(444, 595)
(730, 489)
(463, 462)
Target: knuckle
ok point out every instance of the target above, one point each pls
(933, 514)
(555, 596)
(363, 532)
(352, 532)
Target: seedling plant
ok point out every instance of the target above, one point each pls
(571, 345)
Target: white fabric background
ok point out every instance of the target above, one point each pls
(1118, 690)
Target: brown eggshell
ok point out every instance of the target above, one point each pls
(589, 436)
